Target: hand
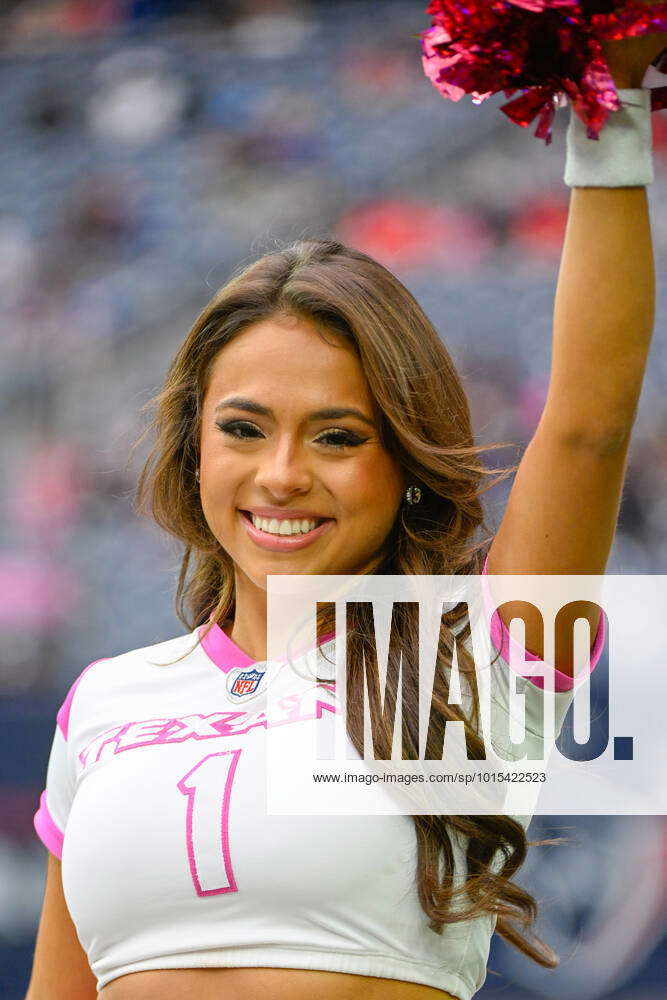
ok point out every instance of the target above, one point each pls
(629, 58)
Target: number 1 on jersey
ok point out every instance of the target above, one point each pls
(208, 787)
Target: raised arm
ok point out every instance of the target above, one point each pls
(563, 507)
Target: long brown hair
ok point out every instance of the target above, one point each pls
(425, 424)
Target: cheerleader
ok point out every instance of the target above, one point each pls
(313, 423)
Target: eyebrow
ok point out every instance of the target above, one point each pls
(329, 413)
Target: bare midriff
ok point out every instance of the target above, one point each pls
(262, 984)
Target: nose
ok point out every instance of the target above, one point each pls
(283, 470)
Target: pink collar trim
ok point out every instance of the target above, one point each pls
(224, 652)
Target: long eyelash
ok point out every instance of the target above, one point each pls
(342, 439)
(232, 426)
(338, 438)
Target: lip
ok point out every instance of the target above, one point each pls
(283, 543)
(284, 512)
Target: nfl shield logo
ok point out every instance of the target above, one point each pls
(246, 683)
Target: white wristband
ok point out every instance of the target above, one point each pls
(623, 154)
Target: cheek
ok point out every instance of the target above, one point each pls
(217, 501)
(372, 491)
(224, 474)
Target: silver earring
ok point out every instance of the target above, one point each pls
(197, 473)
(413, 495)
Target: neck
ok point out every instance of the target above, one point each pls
(248, 630)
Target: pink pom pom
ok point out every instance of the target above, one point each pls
(549, 49)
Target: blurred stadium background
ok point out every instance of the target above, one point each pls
(147, 149)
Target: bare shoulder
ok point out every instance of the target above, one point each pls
(60, 966)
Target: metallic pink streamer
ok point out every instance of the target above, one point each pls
(548, 49)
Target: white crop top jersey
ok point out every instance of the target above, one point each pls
(154, 803)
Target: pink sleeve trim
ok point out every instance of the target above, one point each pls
(47, 831)
(63, 715)
(502, 640)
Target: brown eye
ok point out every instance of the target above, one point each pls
(340, 438)
(240, 429)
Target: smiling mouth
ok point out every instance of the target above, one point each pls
(285, 527)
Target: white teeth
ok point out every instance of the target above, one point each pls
(273, 526)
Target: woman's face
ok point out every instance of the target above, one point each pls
(289, 441)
